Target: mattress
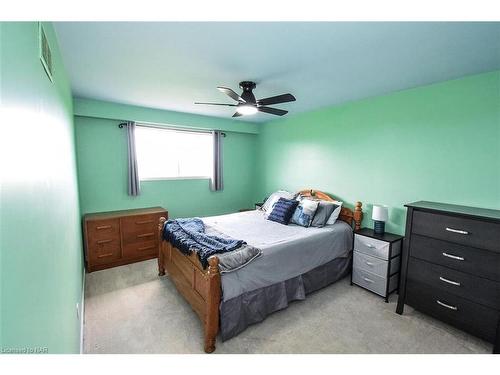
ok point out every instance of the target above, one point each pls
(287, 250)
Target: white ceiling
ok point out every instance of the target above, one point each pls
(171, 65)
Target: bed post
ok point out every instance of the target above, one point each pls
(213, 301)
(358, 216)
(161, 262)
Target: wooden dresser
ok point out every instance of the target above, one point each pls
(120, 237)
(451, 266)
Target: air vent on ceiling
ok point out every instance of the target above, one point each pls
(45, 54)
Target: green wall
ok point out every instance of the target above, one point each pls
(438, 143)
(40, 235)
(102, 174)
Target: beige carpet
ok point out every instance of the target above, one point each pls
(129, 309)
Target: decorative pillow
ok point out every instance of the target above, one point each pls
(323, 213)
(335, 214)
(283, 210)
(304, 212)
(273, 198)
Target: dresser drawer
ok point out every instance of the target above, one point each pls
(473, 288)
(474, 318)
(101, 251)
(140, 249)
(374, 247)
(462, 258)
(465, 231)
(374, 265)
(103, 229)
(373, 282)
(140, 228)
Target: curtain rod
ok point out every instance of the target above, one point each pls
(121, 125)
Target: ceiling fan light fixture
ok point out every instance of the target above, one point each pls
(246, 109)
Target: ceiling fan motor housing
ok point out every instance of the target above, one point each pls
(247, 95)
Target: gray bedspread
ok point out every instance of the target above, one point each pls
(287, 250)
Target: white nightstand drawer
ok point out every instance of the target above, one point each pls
(373, 282)
(374, 265)
(371, 246)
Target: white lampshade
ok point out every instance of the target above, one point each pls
(380, 213)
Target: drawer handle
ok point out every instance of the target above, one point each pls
(369, 263)
(368, 280)
(449, 281)
(459, 231)
(370, 245)
(145, 248)
(454, 308)
(100, 242)
(144, 221)
(103, 227)
(105, 255)
(453, 256)
(145, 235)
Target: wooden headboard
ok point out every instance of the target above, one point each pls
(346, 214)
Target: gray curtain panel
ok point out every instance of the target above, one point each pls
(134, 186)
(217, 181)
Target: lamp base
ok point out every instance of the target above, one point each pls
(379, 227)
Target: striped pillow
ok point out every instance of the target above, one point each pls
(283, 210)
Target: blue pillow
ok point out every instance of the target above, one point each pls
(283, 210)
(305, 212)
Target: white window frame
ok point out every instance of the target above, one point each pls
(176, 129)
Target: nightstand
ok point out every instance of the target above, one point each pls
(376, 261)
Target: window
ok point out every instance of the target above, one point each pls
(167, 153)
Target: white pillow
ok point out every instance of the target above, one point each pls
(335, 214)
(273, 198)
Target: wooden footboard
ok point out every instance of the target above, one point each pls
(201, 288)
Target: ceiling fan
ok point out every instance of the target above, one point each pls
(248, 105)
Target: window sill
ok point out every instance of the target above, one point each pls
(175, 178)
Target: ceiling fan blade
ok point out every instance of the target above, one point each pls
(284, 98)
(272, 111)
(229, 105)
(230, 93)
(237, 114)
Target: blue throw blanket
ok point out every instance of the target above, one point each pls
(189, 234)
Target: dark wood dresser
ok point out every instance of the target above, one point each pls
(120, 237)
(451, 266)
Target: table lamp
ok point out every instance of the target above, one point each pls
(380, 215)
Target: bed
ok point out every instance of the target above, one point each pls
(294, 262)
